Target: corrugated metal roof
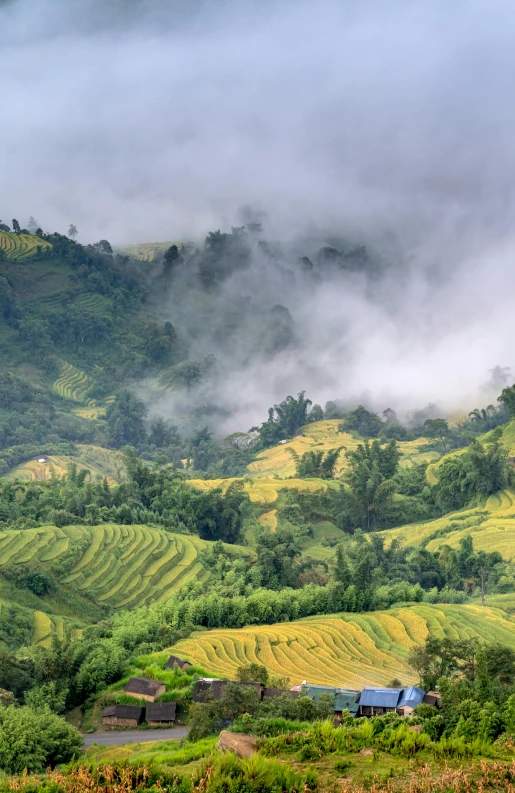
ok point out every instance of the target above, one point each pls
(411, 697)
(344, 699)
(380, 697)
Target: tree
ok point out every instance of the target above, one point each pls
(103, 246)
(437, 428)
(125, 420)
(172, 259)
(284, 419)
(32, 225)
(372, 468)
(342, 572)
(16, 226)
(252, 673)
(508, 398)
(34, 740)
(72, 231)
(363, 421)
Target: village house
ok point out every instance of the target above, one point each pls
(160, 714)
(212, 688)
(344, 699)
(123, 715)
(409, 699)
(143, 688)
(378, 701)
(433, 698)
(175, 661)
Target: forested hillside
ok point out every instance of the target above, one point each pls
(130, 522)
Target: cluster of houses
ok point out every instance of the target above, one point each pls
(370, 701)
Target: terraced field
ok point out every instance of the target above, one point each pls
(492, 528)
(21, 246)
(124, 566)
(46, 626)
(147, 251)
(72, 383)
(323, 436)
(352, 651)
(99, 462)
(265, 491)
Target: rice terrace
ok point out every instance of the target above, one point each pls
(257, 398)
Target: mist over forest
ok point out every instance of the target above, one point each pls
(384, 126)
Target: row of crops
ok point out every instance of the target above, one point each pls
(21, 246)
(352, 651)
(323, 436)
(124, 566)
(491, 526)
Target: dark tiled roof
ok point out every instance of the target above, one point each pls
(161, 711)
(124, 712)
(179, 661)
(205, 688)
(271, 693)
(142, 685)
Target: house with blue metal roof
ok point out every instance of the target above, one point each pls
(378, 701)
(344, 699)
(409, 699)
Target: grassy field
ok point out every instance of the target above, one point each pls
(123, 566)
(353, 650)
(99, 462)
(21, 246)
(491, 526)
(323, 436)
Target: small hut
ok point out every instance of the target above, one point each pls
(123, 715)
(175, 661)
(161, 714)
(143, 688)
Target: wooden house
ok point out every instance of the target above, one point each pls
(433, 698)
(160, 714)
(123, 715)
(176, 661)
(143, 688)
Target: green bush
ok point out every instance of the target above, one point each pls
(34, 740)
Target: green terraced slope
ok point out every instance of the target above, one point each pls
(491, 526)
(21, 246)
(123, 566)
(352, 651)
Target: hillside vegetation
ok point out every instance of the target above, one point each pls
(21, 246)
(351, 651)
(122, 566)
(323, 436)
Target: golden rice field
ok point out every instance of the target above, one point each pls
(352, 651)
(46, 626)
(269, 519)
(72, 383)
(323, 436)
(21, 246)
(264, 491)
(492, 528)
(98, 461)
(124, 566)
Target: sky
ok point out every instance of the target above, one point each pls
(388, 122)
